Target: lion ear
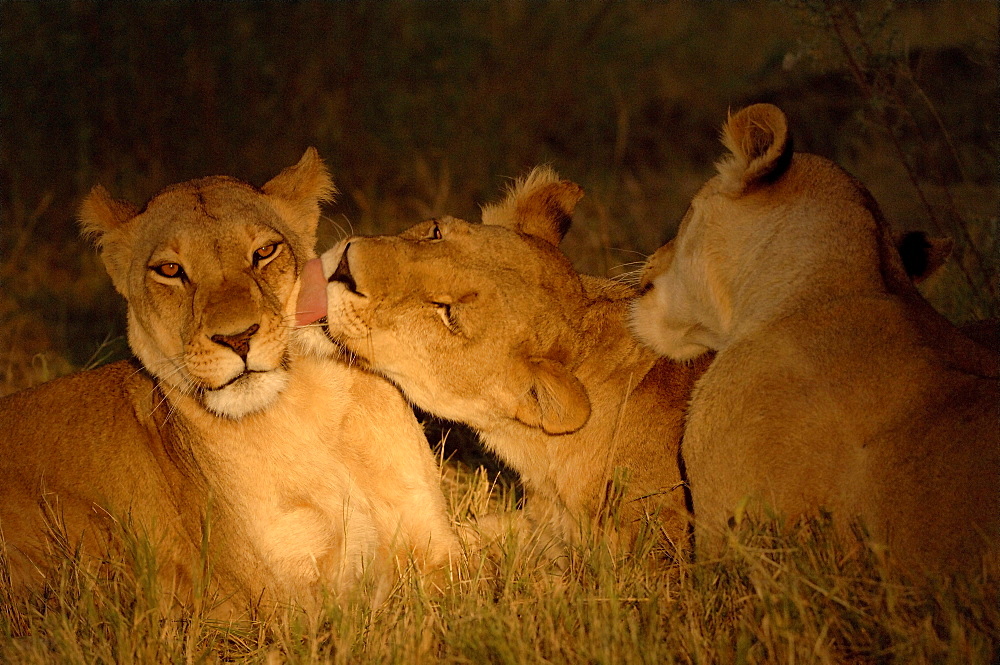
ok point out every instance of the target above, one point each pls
(99, 213)
(540, 204)
(299, 190)
(922, 255)
(760, 147)
(104, 221)
(555, 400)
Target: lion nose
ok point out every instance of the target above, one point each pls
(342, 273)
(240, 342)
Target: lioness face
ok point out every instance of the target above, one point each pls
(684, 307)
(691, 286)
(211, 289)
(209, 269)
(463, 317)
(755, 232)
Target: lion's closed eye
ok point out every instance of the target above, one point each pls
(452, 311)
(444, 310)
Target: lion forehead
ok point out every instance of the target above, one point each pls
(218, 188)
(500, 267)
(211, 270)
(224, 219)
(218, 207)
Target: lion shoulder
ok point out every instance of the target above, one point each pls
(81, 409)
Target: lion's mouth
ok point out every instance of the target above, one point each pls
(345, 353)
(248, 392)
(243, 377)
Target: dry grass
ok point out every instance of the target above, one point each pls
(775, 596)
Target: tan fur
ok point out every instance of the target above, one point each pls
(488, 324)
(306, 472)
(835, 385)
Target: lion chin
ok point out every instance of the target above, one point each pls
(249, 393)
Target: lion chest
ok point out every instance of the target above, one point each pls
(288, 498)
(304, 514)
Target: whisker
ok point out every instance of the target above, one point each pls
(370, 340)
(163, 398)
(171, 407)
(142, 368)
(631, 263)
(161, 378)
(631, 251)
(343, 233)
(168, 368)
(629, 279)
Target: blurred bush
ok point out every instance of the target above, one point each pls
(423, 108)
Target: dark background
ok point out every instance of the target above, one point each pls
(422, 108)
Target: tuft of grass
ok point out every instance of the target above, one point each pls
(774, 595)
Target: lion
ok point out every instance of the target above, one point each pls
(301, 472)
(489, 325)
(835, 386)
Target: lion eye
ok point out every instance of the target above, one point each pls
(435, 233)
(169, 270)
(265, 252)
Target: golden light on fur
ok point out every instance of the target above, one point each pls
(295, 473)
(836, 386)
(303, 188)
(759, 146)
(540, 203)
(540, 362)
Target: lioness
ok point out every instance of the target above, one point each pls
(835, 385)
(489, 324)
(300, 470)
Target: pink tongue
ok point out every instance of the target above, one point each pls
(312, 296)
